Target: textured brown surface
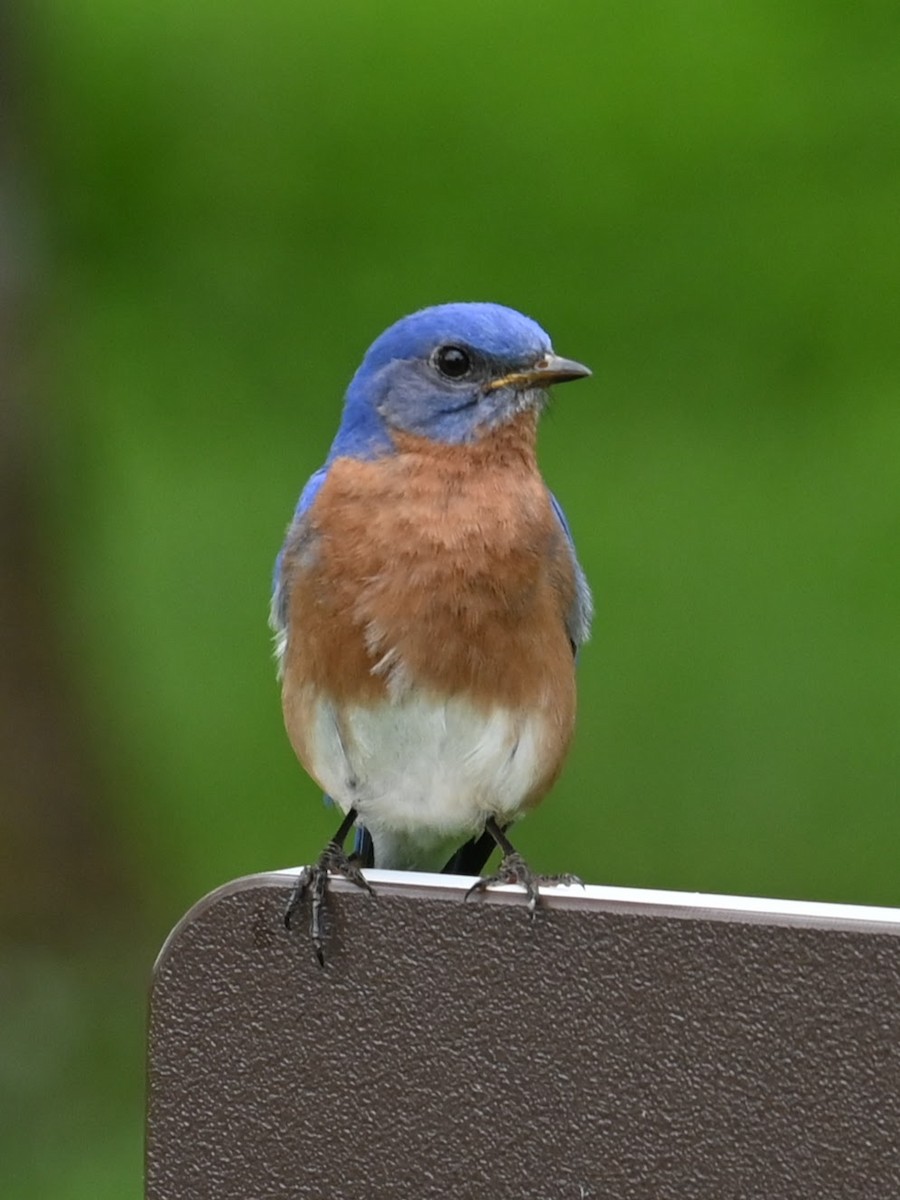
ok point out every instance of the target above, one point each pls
(458, 1050)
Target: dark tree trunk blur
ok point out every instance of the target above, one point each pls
(58, 855)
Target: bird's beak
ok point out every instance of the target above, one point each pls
(549, 369)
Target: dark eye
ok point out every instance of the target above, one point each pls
(452, 361)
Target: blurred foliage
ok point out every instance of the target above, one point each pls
(698, 200)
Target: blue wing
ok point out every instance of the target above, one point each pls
(581, 613)
(278, 612)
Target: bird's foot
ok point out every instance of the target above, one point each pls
(514, 869)
(313, 881)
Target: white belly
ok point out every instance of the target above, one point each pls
(424, 773)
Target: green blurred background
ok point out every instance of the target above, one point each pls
(208, 212)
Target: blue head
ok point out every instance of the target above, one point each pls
(449, 373)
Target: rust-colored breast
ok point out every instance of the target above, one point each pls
(439, 566)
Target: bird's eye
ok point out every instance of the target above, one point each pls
(452, 361)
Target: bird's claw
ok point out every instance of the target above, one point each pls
(314, 881)
(514, 869)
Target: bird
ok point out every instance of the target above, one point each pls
(428, 605)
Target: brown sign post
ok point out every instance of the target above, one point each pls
(625, 1045)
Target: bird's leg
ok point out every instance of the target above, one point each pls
(314, 880)
(364, 851)
(514, 869)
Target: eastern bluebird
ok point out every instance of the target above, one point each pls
(428, 603)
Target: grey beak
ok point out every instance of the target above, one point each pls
(553, 369)
(546, 371)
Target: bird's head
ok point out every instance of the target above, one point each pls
(450, 373)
